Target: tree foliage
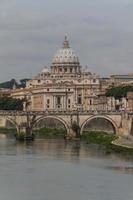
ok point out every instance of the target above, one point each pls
(10, 84)
(9, 103)
(119, 92)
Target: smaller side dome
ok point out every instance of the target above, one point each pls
(45, 70)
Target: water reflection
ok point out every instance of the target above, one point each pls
(75, 152)
(121, 169)
(59, 170)
(3, 136)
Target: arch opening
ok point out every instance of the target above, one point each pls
(9, 127)
(50, 127)
(99, 124)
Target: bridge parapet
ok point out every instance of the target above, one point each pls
(62, 112)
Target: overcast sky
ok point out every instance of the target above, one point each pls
(31, 31)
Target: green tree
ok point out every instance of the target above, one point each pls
(9, 103)
(119, 92)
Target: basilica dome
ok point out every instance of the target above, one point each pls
(65, 56)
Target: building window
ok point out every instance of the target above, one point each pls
(94, 80)
(58, 100)
(71, 70)
(47, 90)
(69, 101)
(79, 100)
(60, 70)
(65, 69)
(48, 101)
(39, 81)
(69, 89)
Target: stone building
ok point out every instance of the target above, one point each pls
(65, 85)
(130, 101)
(5, 92)
(117, 80)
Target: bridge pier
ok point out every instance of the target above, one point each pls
(126, 125)
(24, 133)
(70, 134)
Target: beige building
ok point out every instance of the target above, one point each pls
(130, 101)
(116, 80)
(65, 85)
(5, 92)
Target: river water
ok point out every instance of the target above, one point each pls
(56, 170)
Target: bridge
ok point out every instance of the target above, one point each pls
(121, 122)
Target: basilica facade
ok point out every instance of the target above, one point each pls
(65, 85)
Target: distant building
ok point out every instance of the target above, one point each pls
(5, 92)
(130, 101)
(116, 80)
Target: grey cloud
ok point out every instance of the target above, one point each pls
(100, 32)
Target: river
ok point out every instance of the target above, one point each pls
(49, 169)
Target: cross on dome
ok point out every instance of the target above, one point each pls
(66, 43)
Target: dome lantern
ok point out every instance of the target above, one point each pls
(66, 43)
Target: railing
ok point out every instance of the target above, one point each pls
(62, 112)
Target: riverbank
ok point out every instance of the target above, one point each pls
(98, 137)
(7, 130)
(110, 143)
(51, 133)
(124, 142)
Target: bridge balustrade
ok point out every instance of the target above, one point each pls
(61, 112)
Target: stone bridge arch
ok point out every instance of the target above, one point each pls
(108, 119)
(62, 121)
(13, 122)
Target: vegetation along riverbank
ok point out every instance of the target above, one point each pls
(105, 140)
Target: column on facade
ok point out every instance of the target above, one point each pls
(63, 102)
(53, 102)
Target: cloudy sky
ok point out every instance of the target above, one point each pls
(31, 31)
